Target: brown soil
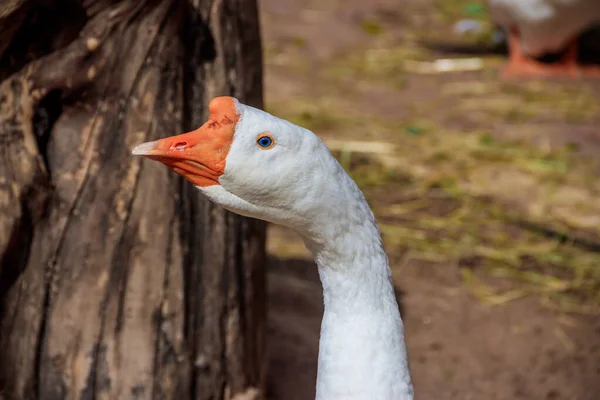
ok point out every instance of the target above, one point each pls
(459, 346)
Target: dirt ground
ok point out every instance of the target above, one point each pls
(493, 309)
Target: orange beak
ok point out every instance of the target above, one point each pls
(199, 156)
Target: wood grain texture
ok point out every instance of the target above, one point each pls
(118, 280)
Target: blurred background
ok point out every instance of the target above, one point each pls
(119, 280)
(485, 187)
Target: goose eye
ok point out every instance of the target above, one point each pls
(265, 141)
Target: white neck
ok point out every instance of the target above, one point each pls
(362, 352)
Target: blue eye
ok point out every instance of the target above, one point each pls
(265, 141)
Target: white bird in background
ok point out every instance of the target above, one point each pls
(539, 27)
(261, 166)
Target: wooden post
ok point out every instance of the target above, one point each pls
(118, 280)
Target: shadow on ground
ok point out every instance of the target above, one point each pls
(459, 349)
(485, 190)
(295, 312)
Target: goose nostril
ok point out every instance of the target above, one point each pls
(179, 146)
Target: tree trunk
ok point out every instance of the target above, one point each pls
(118, 280)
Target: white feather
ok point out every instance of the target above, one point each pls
(298, 183)
(545, 26)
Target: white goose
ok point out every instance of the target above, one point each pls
(261, 166)
(538, 27)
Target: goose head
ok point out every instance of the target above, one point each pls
(254, 164)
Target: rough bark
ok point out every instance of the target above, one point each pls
(117, 279)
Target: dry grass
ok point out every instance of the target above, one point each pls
(438, 221)
(501, 211)
(516, 213)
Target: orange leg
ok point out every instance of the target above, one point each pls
(519, 64)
